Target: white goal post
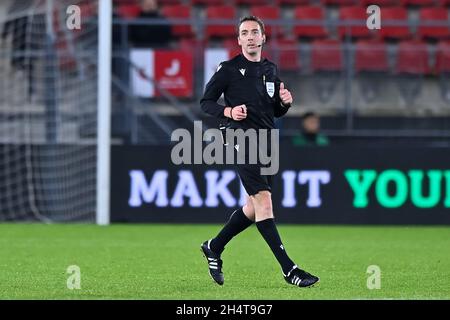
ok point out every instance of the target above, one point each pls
(104, 111)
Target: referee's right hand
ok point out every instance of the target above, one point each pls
(237, 113)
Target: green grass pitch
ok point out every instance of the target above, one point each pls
(159, 261)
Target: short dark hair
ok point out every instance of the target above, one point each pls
(252, 18)
(309, 114)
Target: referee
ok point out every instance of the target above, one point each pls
(254, 96)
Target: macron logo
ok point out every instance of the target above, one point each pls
(242, 71)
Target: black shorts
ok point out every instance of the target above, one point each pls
(252, 180)
(251, 177)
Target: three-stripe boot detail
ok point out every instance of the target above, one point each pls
(214, 263)
(300, 278)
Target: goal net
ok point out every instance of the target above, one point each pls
(48, 110)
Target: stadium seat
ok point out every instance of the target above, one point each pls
(288, 54)
(395, 15)
(443, 57)
(252, 2)
(411, 67)
(443, 68)
(412, 57)
(371, 67)
(418, 3)
(88, 9)
(291, 2)
(326, 65)
(210, 2)
(191, 44)
(353, 13)
(371, 55)
(445, 3)
(310, 13)
(437, 15)
(179, 12)
(381, 3)
(232, 46)
(220, 30)
(128, 11)
(339, 2)
(267, 13)
(326, 55)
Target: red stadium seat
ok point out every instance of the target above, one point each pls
(310, 13)
(381, 3)
(220, 30)
(232, 46)
(291, 2)
(412, 57)
(443, 57)
(191, 44)
(209, 2)
(267, 13)
(371, 55)
(88, 9)
(288, 54)
(357, 15)
(326, 55)
(445, 3)
(340, 2)
(395, 15)
(439, 15)
(252, 2)
(179, 12)
(421, 3)
(128, 11)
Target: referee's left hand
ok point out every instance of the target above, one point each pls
(285, 95)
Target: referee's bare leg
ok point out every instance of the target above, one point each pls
(249, 209)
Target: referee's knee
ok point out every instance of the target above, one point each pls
(263, 205)
(249, 211)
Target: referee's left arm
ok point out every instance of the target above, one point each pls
(280, 109)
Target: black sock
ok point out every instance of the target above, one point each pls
(237, 223)
(269, 232)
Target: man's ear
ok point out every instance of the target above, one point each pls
(264, 38)
(239, 41)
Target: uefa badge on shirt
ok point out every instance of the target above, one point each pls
(270, 87)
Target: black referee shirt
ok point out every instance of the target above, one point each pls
(255, 84)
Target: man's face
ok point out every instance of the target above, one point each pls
(311, 124)
(250, 36)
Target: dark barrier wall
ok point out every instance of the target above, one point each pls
(313, 185)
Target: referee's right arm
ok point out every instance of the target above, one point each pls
(214, 89)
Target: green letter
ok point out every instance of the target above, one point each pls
(381, 189)
(360, 186)
(447, 188)
(417, 197)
